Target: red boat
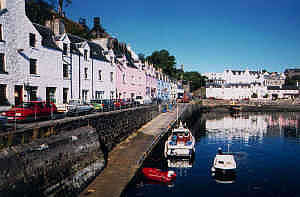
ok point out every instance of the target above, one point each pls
(158, 175)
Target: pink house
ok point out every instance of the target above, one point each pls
(130, 76)
(151, 81)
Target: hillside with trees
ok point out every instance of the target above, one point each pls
(39, 11)
(162, 59)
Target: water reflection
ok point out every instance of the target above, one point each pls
(224, 178)
(252, 128)
(181, 166)
(265, 147)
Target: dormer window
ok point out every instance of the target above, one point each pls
(32, 40)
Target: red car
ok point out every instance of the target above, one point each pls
(117, 104)
(32, 110)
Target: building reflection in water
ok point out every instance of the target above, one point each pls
(251, 128)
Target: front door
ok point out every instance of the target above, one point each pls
(18, 95)
(50, 94)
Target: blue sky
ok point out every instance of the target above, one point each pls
(204, 35)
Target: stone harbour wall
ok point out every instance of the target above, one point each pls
(60, 158)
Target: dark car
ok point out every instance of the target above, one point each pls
(108, 105)
(124, 104)
(3, 122)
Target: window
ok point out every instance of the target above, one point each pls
(33, 69)
(84, 95)
(85, 73)
(100, 75)
(85, 54)
(124, 77)
(65, 49)
(1, 37)
(2, 63)
(65, 95)
(111, 76)
(65, 71)
(32, 40)
(3, 99)
(99, 94)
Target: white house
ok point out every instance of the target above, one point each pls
(30, 59)
(45, 62)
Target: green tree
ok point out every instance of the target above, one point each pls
(162, 59)
(38, 11)
(195, 79)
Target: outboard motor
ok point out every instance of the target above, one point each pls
(171, 173)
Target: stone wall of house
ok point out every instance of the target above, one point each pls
(58, 158)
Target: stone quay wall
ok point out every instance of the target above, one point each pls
(60, 157)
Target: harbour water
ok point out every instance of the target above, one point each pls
(266, 149)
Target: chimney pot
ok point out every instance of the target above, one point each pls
(97, 21)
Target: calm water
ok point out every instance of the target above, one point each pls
(267, 152)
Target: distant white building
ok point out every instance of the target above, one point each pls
(237, 84)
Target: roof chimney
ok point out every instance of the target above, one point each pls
(82, 21)
(96, 21)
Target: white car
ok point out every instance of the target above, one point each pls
(142, 100)
(139, 99)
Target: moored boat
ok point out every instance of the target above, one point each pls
(181, 143)
(224, 162)
(158, 175)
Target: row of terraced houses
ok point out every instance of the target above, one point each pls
(47, 62)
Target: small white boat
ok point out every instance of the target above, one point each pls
(224, 162)
(181, 143)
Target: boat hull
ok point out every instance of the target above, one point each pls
(158, 175)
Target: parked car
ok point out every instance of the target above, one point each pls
(124, 104)
(3, 122)
(97, 104)
(108, 105)
(139, 99)
(32, 110)
(77, 107)
(117, 104)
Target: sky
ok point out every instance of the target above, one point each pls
(204, 35)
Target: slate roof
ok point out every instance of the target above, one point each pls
(254, 72)
(120, 49)
(273, 88)
(96, 52)
(75, 40)
(237, 72)
(47, 37)
(283, 88)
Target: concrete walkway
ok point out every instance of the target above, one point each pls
(122, 161)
